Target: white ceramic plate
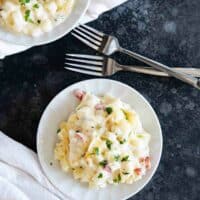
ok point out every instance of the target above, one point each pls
(60, 108)
(59, 31)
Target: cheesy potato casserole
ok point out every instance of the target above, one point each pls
(103, 142)
(33, 17)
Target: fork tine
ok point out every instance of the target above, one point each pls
(85, 71)
(85, 56)
(87, 37)
(90, 33)
(95, 68)
(93, 30)
(93, 46)
(86, 61)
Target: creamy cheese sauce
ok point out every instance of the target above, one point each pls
(33, 17)
(103, 142)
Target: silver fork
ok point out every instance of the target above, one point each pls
(108, 45)
(103, 66)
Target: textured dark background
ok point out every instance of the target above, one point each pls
(165, 30)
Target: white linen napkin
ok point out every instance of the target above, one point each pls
(21, 177)
(95, 9)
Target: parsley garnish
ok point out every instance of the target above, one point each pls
(31, 21)
(96, 150)
(125, 158)
(100, 175)
(139, 136)
(23, 2)
(36, 6)
(108, 144)
(103, 163)
(27, 15)
(58, 130)
(118, 179)
(125, 114)
(109, 110)
(115, 180)
(125, 173)
(122, 141)
(117, 157)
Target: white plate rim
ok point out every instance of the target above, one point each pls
(144, 99)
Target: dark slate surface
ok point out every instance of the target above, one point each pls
(168, 31)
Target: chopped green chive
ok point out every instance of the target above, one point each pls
(31, 21)
(103, 163)
(38, 21)
(125, 114)
(117, 157)
(23, 2)
(140, 136)
(109, 110)
(27, 15)
(100, 175)
(124, 159)
(96, 150)
(58, 130)
(125, 173)
(108, 144)
(36, 6)
(122, 141)
(115, 180)
(118, 179)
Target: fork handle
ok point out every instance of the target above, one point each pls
(179, 75)
(150, 71)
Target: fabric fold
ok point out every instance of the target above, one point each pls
(21, 174)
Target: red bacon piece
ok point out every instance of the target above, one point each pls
(108, 169)
(99, 106)
(79, 137)
(147, 162)
(138, 171)
(79, 94)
